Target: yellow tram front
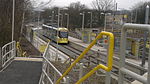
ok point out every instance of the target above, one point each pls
(62, 35)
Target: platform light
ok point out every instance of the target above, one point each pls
(83, 15)
(105, 19)
(91, 19)
(67, 20)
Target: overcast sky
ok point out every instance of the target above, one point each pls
(126, 4)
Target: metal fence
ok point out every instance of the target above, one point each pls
(8, 52)
(75, 35)
(122, 69)
(49, 72)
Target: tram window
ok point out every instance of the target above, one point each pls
(63, 34)
(54, 32)
(95, 31)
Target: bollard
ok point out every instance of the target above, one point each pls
(55, 77)
(67, 80)
(81, 71)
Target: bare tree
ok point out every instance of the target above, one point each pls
(138, 11)
(74, 11)
(6, 18)
(102, 5)
(40, 4)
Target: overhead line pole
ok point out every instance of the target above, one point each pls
(58, 17)
(91, 20)
(57, 35)
(13, 19)
(52, 17)
(67, 20)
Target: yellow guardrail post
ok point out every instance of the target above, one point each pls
(20, 51)
(110, 55)
(18, 48)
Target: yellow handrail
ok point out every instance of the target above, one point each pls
(100, 66)
(110, 54)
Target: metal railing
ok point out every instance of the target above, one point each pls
(75, 35)
(49, 72)
(122, 70)
(106, 68)
(8, 52)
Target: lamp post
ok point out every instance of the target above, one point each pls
(13, 19)
(67, 20)
(82, 20)
(105, 22)
(61, 19)
(131, 17)
(147, 14)
(135, 20)
(91, 19)
(52, 17)
(114, 11)
(39, 19)
(58, 17)
(59, 9)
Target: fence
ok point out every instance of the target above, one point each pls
(49, 72)
(122, 70)
(75, 35)
(8, 52)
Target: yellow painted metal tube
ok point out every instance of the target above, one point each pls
(100, 66)
(110, 54)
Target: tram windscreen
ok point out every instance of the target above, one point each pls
(63, 34)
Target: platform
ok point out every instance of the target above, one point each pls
(22, 71)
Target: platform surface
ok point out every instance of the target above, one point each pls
(21, 72)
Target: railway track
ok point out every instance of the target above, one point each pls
(73, 53)
(92, 58)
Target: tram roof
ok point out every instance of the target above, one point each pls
(37, 28)
(60, 28)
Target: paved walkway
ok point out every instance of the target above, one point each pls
(22, 72)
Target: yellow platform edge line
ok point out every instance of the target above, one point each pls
(28, 59)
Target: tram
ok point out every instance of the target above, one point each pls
(59, 35)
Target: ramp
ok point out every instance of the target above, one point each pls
(21, 72)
